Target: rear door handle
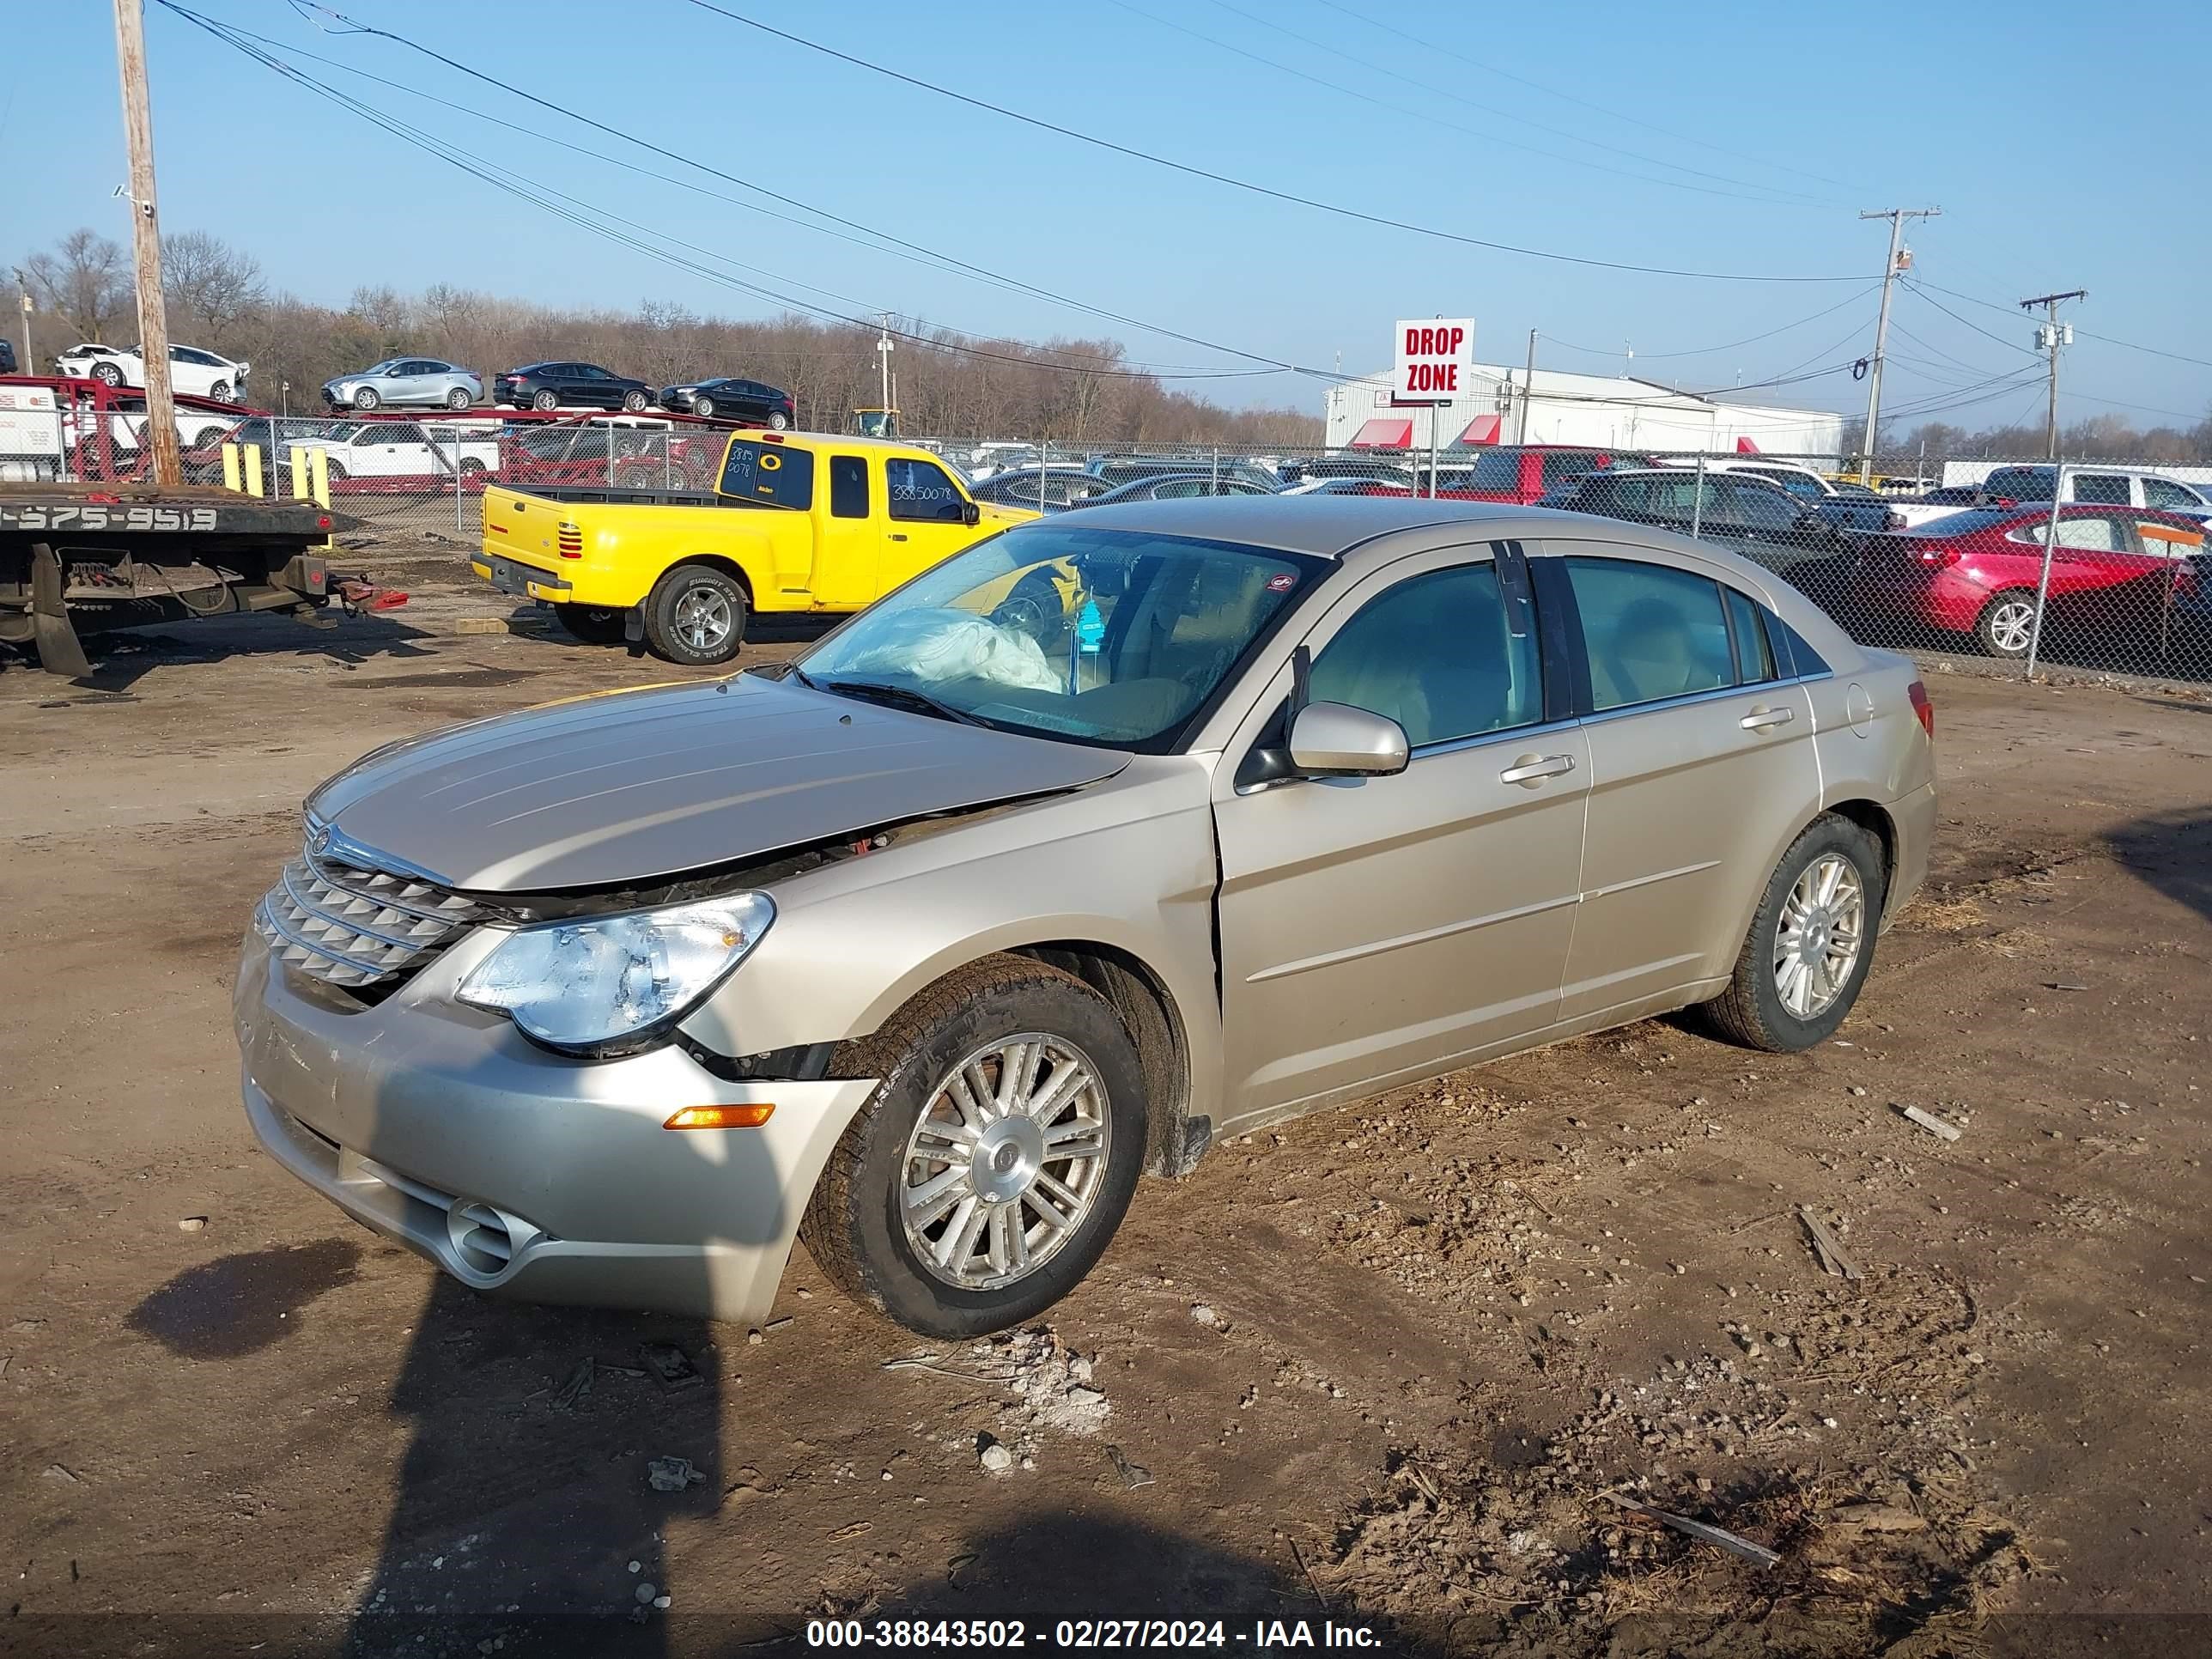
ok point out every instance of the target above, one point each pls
(1532, 770)
(1760, 719)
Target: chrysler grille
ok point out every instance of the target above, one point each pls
(357, 928)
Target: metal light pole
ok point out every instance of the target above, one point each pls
(2051, 337)
(146, 243)
(1897, 216)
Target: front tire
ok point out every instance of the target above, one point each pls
(987, 1172)
(336, 471)
(107, 375)
(703, 408)
(1811, 942)
(219, 392)
(634, 401)
(2007, 623)
(366, 397)
(695, 614)
(591, 624)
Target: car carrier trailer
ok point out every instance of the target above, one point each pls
(83, 558)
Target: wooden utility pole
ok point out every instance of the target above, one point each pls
(146, 243)
(2052, 334)
(1891, 268)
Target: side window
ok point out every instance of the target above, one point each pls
(1651, 631)
(918, 491)
(2093, 533)
(1434, 654)
(769, 475)
(848, 486)
(1560, 469)
(2106, 489)
(1763, 509)
(2164, 492)
(1176, 488)
(1754, 652)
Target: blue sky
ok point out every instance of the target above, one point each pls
(1726, 137)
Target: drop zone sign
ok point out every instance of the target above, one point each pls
(1436, 360)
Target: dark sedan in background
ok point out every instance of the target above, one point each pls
(1810, 544)
(1052, 489)
(1174, 487)
(569, 385)
(729, 399)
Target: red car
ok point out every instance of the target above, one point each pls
(1976, 572)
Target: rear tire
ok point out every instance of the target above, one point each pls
(779, 421)
(1792, 986)
(458, 398)
(695, 614)
(861, 1220)
(366, 397)
(2006, 622)
(591, 624)
(544, 400)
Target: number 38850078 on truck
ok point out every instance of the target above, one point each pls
(798, 522)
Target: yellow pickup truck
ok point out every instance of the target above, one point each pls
(798, 522)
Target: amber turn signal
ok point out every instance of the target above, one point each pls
(721, 1117)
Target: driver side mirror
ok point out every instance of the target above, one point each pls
(971, 514)
(1335, 740)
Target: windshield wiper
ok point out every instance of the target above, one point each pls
(900, 696)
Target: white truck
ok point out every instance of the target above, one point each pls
(2114, 486)
(405, 449)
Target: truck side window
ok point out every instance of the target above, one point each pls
(769, 475)
(848, 486)
(919, 490)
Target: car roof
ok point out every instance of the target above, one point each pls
(1323, 526)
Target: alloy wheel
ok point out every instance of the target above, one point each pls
(1005, 1162)
(1821, 933)
(2011, 624)
(702, 619)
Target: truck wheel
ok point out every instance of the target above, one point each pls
(634, 401)
(695, 614)
(2007, 623)
(458, 398)
(987, 1172)
(593, 624)
(336, 470)
(545, 400)
(1810, 945)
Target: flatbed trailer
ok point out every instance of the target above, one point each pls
(83, 558)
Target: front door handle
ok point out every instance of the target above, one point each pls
(1760, 719)
(898, 535)
(1532, 770)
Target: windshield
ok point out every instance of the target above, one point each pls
(1100, 636)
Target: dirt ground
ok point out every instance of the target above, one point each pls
(1423, 1367)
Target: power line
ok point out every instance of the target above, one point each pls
(1920, 289)
(1245, 185)
(1427, 43)
(588, 217)
(2079, 333)
(1707, 351)
(999, 278)
(1768, 194)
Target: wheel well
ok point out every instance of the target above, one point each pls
(1874, 819)
(728, 566)
(1149, 1011)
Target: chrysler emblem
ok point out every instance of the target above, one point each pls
(320, 842)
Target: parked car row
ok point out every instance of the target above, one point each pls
(431, 382)
(200, 373)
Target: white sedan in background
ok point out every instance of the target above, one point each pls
(196, 373)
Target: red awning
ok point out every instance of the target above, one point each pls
(1384, 435)
(1745, 446)
(1483, 430)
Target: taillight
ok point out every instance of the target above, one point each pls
(569, 541)
(1922, 707)
(1936, 553)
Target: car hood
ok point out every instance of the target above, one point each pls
(629, 786)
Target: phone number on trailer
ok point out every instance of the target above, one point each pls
(1003, 1634)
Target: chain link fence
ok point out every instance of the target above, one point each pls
(1961, 559)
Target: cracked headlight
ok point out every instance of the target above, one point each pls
(602, 985)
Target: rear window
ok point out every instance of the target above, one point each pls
(1496, 471)
(2022, 483)
(1970, 522)
(769, 475)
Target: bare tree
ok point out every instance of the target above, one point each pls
(210, 286)
(86, 281)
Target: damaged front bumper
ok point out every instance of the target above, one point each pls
(524, 1173)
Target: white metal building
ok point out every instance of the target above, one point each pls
(1600, 411)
